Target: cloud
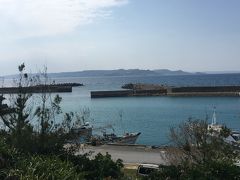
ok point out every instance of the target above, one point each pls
(29, 18)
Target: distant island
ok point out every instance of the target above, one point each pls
(129, 72)
(122, 72)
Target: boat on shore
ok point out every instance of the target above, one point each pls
(112, 138)
(84, 133)
(127, 138)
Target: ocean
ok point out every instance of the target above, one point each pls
(152, 116)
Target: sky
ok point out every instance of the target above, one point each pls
(74, 35)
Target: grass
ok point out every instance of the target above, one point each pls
(131, 174)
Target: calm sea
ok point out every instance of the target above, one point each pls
(152, 116)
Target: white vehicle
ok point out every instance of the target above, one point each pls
(147, 169)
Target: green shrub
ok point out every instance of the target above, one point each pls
(43, 168)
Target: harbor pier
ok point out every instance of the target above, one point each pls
(160, 90)
(49, 88)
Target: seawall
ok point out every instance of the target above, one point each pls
(119, 93)
(36, 89)
(212, 89)
(127, 93)
(172, 91)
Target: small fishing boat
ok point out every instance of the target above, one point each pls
(214, 126)
(127, 138)
(112, 137)
(215, 129)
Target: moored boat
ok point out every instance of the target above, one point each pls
(127, 138)
(229, 136)
(214, 126)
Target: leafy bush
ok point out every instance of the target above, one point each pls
(26, 166)
(103, 167)
(44, 167)
(29, 152)
(8, 157)
(198, 155)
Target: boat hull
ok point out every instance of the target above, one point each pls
(126, 139)
(129, 139)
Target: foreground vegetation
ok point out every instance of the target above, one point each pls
(18, 165)
(32, 143)
(199, 154)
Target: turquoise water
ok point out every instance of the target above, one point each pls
(152, 116)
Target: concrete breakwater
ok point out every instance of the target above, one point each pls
(54, 88)
(160, 90)
(120, 93)
(126, 93)
(205, 91)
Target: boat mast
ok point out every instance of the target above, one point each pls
(121, 121)
(214, 118)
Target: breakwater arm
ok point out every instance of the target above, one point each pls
(52, 88)
(160, 90)
(119, 93)
(127, 93)
(206, 89)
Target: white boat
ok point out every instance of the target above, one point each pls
(127, 138)
(215, 129)
(233, 138)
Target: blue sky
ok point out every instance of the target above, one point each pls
(72, 35)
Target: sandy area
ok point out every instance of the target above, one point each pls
(129, 154)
